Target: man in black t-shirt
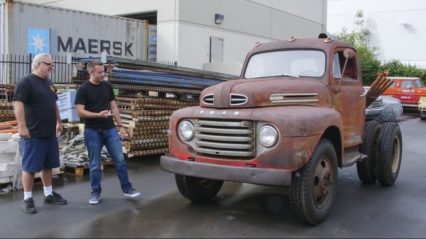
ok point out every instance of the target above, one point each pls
(95, 103)
(39, 123)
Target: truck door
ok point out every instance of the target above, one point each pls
(406, 92)
(348, 96)
(419, 90)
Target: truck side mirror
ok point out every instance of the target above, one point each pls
(348, 54)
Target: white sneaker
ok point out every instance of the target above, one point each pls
(132, 193)
(94, 198)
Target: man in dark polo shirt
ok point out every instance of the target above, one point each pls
(39, 123)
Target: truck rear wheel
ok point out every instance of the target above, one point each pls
(313, 188)
(389, 153)
(198, 190)
(367, 170)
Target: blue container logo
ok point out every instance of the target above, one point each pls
(38, 41)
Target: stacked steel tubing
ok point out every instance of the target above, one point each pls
(379, 85)
(136, 89)
(154, 66)
(136, 77)
(135, 66)
(146, 120)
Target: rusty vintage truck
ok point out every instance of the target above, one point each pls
(296, 115)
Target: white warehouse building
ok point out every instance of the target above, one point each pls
(195, 33)
(397, 28)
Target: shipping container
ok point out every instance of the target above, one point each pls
(30, 29)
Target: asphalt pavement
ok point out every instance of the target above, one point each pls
(240, 210)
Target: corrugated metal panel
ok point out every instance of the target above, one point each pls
(80, 33)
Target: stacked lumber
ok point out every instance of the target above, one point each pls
(6, 104)
(6, 110)
(146, 121)
(9, 127)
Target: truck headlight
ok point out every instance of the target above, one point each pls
(186, 130)
(268, 136)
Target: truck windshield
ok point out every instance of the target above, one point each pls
(296, 63)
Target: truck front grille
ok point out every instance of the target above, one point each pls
(225, 138)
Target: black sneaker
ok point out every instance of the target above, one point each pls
(28, 206)
(55, 198)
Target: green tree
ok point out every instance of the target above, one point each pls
(370, 65)
(359, 38)
(396, 68)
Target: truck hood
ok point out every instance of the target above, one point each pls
(274, 91)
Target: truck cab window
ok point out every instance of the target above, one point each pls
(296, 63)
(338, 64)
(420, 83)
(337, 67)
(407, 84)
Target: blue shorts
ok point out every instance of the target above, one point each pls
(39, 154)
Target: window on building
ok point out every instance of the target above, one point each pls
(216, 49)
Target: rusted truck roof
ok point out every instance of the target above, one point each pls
(312, 43)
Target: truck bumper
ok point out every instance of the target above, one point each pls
(261, 176)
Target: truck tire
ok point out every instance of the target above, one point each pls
(198, 190)
(313, 187)
(389, 153)
(366, 168)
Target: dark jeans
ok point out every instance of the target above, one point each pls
(95, 139)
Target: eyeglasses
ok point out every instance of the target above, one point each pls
(49, 64)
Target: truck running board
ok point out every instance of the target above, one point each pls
(352, 156)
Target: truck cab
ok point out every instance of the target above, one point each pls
(296, 114)
(407, 89)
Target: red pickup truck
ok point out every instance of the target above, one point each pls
(407, 89)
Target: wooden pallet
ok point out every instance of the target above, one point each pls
(77, 171)
(82, 170)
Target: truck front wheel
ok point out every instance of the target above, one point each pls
(198, 190)
(367, 170)
(389, 153)
(313, 188)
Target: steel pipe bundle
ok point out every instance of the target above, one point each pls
(146, 120)
(139, 77)
(379, 85)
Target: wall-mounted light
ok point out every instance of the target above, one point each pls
(218, 18)
(404, 23)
